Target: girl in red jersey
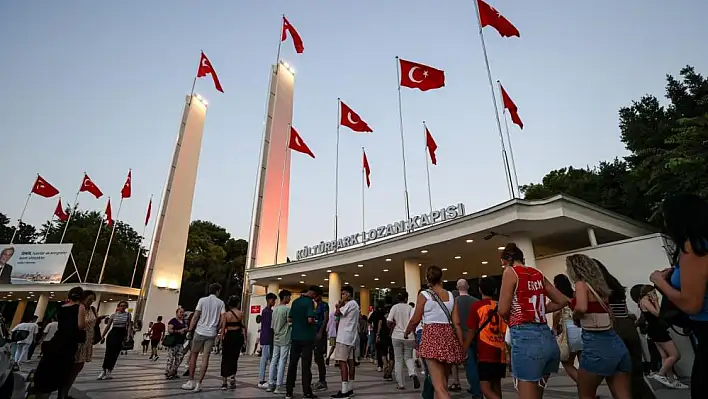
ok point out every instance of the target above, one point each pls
(522, 303)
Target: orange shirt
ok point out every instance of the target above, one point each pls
(490, 340)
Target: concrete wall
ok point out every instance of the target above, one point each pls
(630, 261)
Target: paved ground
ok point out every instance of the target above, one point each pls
(137, 377)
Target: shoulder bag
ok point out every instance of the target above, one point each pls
(597, 321)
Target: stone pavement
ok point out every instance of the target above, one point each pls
(137, 377)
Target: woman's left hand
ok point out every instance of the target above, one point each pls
(660, 275)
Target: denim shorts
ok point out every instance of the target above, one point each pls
(534, 352)
(604, 353)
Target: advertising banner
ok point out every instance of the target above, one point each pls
(33, 263)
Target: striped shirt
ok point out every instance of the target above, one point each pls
(619, 309)
(120, 319)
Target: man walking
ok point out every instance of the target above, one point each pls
(347, 310)
(266, 338)
(281, 343)
(157, 334)
(321, 318)
(302, 317)
(463, 303)
(204, 327)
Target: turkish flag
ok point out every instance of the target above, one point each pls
(367, 169)
(126, 191)
(431, 145)
(205, 68)
(489, 16)
(149, 211)
(420, 76)
(297, 144)
(59, 212)
(297, 40)
(88, 185)
(109, 214)
(351, 119)
(513, 110)
(42, 188)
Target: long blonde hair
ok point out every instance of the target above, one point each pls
(582, 268)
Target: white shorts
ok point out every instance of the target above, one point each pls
(343, 352)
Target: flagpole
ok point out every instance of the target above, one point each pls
(73, 209)
(282, 189)
(110, 240)
(505, 160)
(22, 214)
(280, 43)
(142, 237)
(95, 243)
(511, 150)
(46, 233)
(403, 146)
(427, 167)
(363, 189)
(336, 173)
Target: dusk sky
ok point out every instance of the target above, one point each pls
(99, 87)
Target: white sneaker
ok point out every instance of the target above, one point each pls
(663, 380)
(188, 386)
(676, 384)
(198, 387)
(109, 375)
(102, 376)
(263, 385)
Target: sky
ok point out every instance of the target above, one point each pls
(99, 87)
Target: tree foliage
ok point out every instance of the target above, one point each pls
(212, 255)
(668, 148)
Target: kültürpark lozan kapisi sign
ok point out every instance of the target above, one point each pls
(419, 221)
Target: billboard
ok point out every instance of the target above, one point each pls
(33, 263)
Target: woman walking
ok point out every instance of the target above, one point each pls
(398, 319)
(119, 325)
(233, 339)
(54, 369)
(176, 331)
(441, 344)
(605, 357)
(84, 352)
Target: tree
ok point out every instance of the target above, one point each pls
(668, 154)
(26, 233)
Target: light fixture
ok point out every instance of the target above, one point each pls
(302, 282)
(393, 282)
(484, 276)
(420, 264)
(280, 278)
(464, 272)
(444, 269)
(500, 248)
(329, 271)
(356, 275)
(303, 275)
(362, 286)
(346, 283)
(321, 285)
(376, 279)
(444, 281)
(359, 265)
(425, 251)
(458, 257)
(385, 270)
(326, 279)
(31, 292)
(388, 259)
(484, 262)
(470, 240)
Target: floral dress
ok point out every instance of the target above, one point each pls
(85, 350)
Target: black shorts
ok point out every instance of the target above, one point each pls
(658, 334)
(154, 343)
(491, 371)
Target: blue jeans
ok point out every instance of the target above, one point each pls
(265, 355)
(534, 352)
(604, 354)
(471, 371)
(281, 354)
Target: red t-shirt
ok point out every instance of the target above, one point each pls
(490, 340)
(529, 302)
(157, 330)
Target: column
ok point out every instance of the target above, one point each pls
(524, 243)
(591, 236)
(274, 288)
(411, 271)
(19, 312)
(364, 301)
(41, 306)
(335, 289)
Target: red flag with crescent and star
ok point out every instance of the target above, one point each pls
(149, 211)
(59, 212)
(431, 145)
(109, 214)
(296, 143)
(297, 40)
(42, 188)
(421, 76)
(88, 185)
(367, 169)
(513, 110)
(127, 190)
(351, 119)
(489, 16)
(205, 69)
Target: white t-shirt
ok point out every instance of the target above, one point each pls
(347, 331)
(210, 309)
(50, 330)
(400, 314)
(33, 329)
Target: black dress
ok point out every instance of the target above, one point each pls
(56, 365)
(231, 345)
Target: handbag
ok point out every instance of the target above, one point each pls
(562, 340)
(597, 321)
(19, 335)
(170, 341)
